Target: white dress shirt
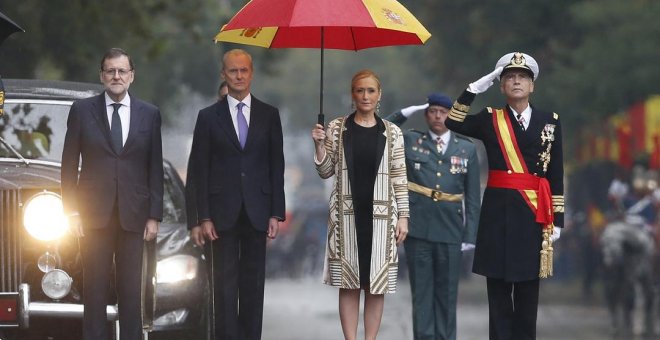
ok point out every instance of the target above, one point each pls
(446, 137)
(233, 110)
(124, 114)
(526, 114)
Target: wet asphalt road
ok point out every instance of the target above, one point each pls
(307, 309)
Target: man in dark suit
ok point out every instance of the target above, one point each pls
(523, 205)
(239, 176)
(191, 192)
(115, 202)
(443, 179)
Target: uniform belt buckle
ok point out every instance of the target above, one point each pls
(436, 195)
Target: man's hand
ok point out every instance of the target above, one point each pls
(273, 228)
(466, 246)
(150, 229)
(75, 226)
(484, 82)
(407, 111)
(556, 231)
(197, 236)
(208, 230)
(401, 230)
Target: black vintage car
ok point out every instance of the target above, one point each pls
(40, 264)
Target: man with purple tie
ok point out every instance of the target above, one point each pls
(238, 163)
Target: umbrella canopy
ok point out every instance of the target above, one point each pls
(334, 24)
(7, 27)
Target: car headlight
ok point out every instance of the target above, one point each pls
(43, 216)
(176, 268)
(47, 262)
(56, 284)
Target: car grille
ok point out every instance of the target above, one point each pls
(10, 241)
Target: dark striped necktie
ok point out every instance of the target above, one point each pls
(521, 121)
(115, 129)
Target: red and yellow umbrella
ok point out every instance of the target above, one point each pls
(333, 24)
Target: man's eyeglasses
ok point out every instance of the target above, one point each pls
(112, 71)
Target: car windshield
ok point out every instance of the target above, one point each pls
(34, 128)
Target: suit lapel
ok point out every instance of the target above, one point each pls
(256, 126)
(225, 122)
(136, 118)
(100, 114)
(535, 125)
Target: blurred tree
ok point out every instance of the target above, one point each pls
(612, 60)
(597, 57)
(169, 43)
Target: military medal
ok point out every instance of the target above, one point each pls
(458, 165)
(547, 137)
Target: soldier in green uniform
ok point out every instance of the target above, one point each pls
(443, 183)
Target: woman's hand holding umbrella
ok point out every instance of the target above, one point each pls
(318, 135)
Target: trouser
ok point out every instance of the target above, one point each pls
(512, 309)
(99, 247)
(433, 268)
(239, 257)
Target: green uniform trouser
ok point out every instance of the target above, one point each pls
(433, 268)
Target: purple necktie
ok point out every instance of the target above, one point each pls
(242, 125)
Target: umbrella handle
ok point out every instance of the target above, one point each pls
(321, 119)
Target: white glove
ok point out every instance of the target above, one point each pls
(406, 112)
(556, 231)
(466, 246)
(484, 82)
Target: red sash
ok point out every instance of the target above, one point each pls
(535, 190)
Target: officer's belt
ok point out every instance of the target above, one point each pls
(436, 195)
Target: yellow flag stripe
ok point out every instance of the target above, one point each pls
(390, 14)
(261, 36)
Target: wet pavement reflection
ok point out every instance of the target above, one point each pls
(307, 309)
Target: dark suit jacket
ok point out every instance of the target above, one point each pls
(191, 195)
(509, 239)
(227, 177)
(134, 176)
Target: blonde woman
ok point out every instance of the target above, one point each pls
(368, 205)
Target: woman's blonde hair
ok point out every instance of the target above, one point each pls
(365, 74)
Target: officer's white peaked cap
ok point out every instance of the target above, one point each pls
(518, 60)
